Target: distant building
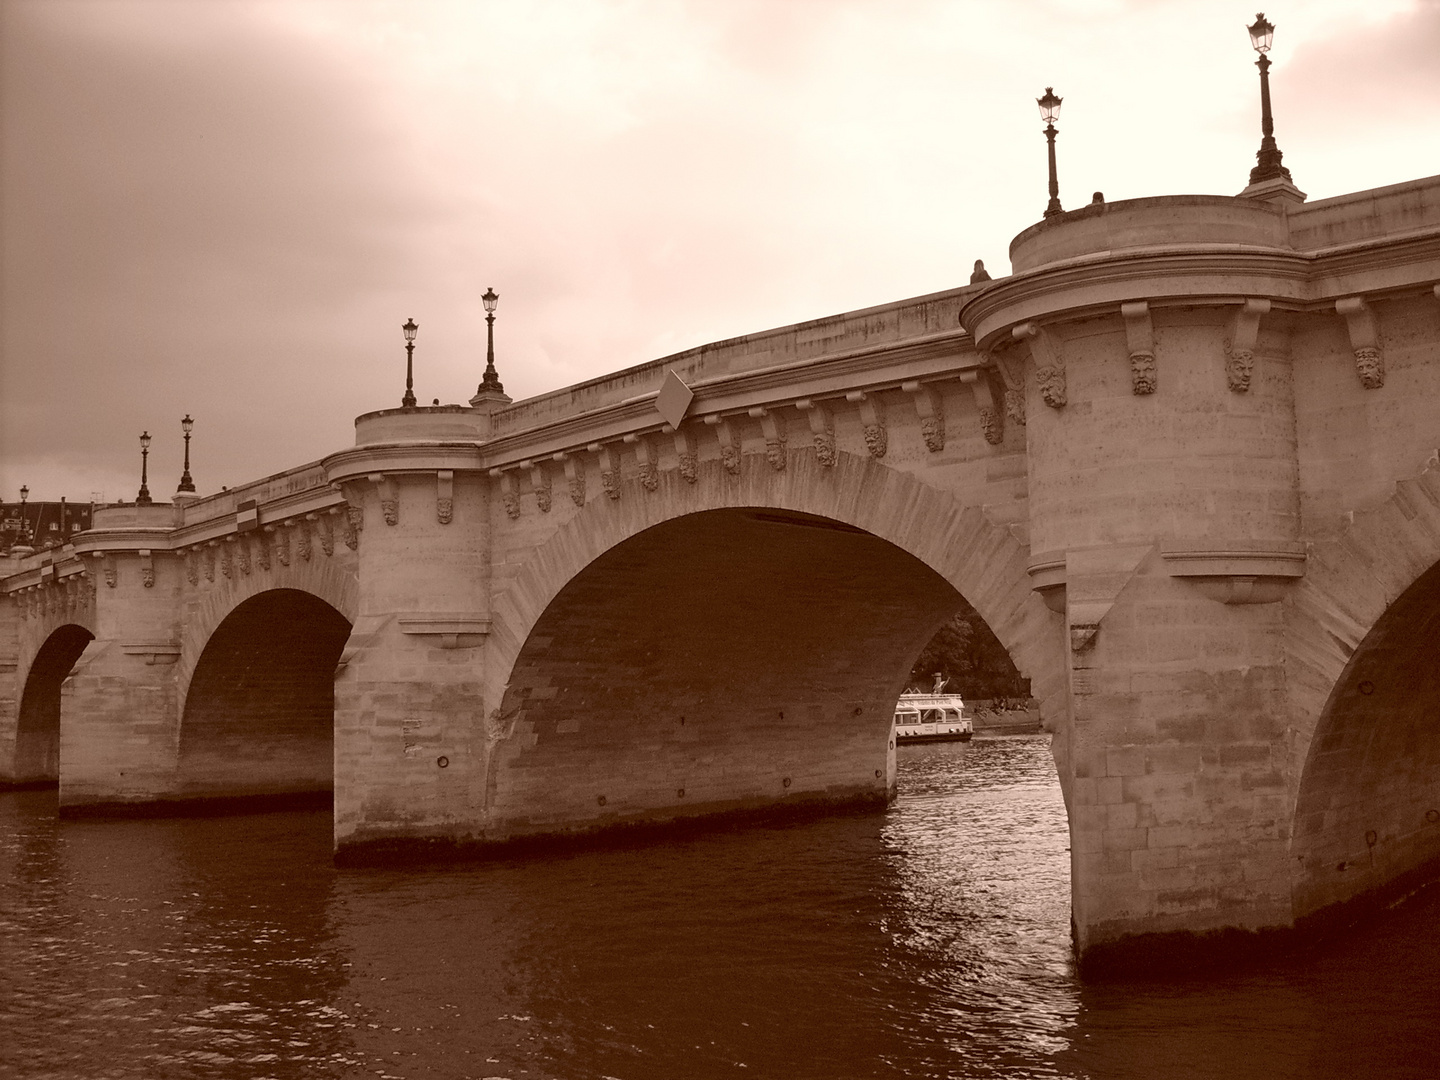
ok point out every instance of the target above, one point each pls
(41, 524)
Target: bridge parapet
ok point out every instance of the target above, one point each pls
(869, 331)
(1199, 222)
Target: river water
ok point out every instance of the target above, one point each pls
(931, 940)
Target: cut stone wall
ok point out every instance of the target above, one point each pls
(671, 618)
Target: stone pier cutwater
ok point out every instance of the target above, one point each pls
(1183, 461)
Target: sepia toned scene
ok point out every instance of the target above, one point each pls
(471, 607)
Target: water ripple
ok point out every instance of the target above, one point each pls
(928, 941)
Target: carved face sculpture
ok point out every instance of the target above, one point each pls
(933, 432)
(990, 425)
(1015, 406)
(1238, 366)
(1142, 372)
(1370, 368)
(825, 448)
(1052, 385)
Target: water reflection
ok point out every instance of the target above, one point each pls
(932, 940)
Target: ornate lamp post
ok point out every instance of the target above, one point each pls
(186, 484)
(1050, 112)
(491, 379)
(1268, 165)
(408, 401)
(24, 524)
(143, 498)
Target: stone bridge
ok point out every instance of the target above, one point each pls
(1183, 462)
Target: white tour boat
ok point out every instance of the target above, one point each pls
(927, 718)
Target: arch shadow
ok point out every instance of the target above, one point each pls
(37, 732)
(983, 561)
(1367, 811)
(258, 717)
(664, 653)
(331, 579)
(1361, 659)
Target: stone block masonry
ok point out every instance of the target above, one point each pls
(1182, 462)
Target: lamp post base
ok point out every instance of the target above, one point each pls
(1276, 189)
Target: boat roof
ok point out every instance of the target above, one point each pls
(921, 701)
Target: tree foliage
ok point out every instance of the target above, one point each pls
(971, 658)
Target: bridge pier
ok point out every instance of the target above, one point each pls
(1205, 523)
(1174, 454)
(1165, 526)
(119, 705)
(1181, 744)
(412, 714)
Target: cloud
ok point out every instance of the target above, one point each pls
(229, 208)
(193, 208)
(1359, 100)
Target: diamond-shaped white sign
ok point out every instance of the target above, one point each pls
(674, 399)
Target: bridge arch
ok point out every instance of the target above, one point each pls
(258, 715)
(332, 580)
(37, 730)
(728, 550)
(1365, 656)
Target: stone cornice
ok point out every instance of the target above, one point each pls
(885, 366)
(408, 457)
(104, 541)
(296, 482)
(295, 504)
(1221, 273)
(879, 367)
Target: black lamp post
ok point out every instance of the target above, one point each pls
(24, 524)
(408, 401)
(1268, 165)
(143, 498)
(1050, 112)
(186, 484)
(490, 381)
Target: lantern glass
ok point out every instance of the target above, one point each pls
(24, 492)
(1261, 33)
(187, 424)
(490, 299)
(409, 329)
(145, 440)
(1049, 106)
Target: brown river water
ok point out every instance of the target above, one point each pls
(930, 940)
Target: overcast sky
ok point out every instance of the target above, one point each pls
(229, 208)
